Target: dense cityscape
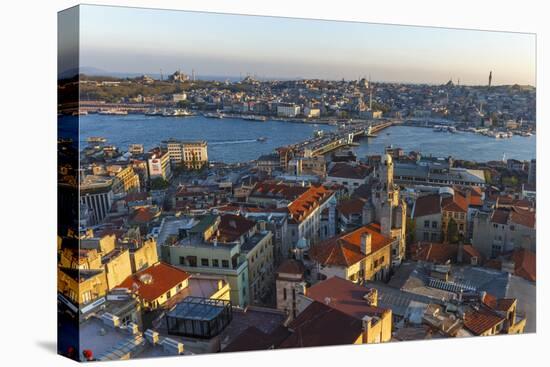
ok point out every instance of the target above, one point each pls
(308, 245)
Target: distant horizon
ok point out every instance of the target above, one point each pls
(220, 77)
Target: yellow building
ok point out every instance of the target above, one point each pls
(454, 208)
(81, 286)
(126, 180)
(361, 255)
(144, 256)
(156, 284)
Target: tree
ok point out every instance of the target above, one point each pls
(410, 232)
(452, 232)
(159, 183)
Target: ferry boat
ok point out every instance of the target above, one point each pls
(254, 118)
(96, 139)
(262, 139)
(154, 112)
(214, 115)
(177, 112)
(112, 112)
(444, 129)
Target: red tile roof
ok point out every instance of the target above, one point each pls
(502, 304)
(308, 201)
(351, 171)
(438, 253)
(526, 218)
(320, 325)
(525, 263)
(277, 190)
(291, 266)
(142, 215)
(481, 320)
(351, 206)
(163, 278)
(232, 227)
(427, 205)
(344, 296)
(345, 250)
(457, 203)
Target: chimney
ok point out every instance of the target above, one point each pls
(371, 297)
(366, 243)
(366, 326)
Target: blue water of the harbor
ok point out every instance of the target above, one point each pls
(235, 140)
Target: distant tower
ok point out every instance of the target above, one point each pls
(193, 74)
(161, 75)
(370, 98)
(490, 78)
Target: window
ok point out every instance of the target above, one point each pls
(426, 236)
(225, 263)
(168, 295)
(434, 224)
(284, 294)
(205, 262)
(182, 260)
(216, 263)
(192, 260)
(426, 224)
(434, 237)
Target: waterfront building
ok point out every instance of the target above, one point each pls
(437, 172)
(288, 110)
(191, 155)
(97, 195)
(179, 97)
(136, 149)
(268, 164)
(312, 112)
(158, 164)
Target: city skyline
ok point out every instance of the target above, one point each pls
(147, 40)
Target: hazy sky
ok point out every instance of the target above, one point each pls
(145, 41)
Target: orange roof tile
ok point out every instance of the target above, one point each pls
(345, 250)
(163, 278)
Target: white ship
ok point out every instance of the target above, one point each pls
(177, 112)
(214, 115)
(112, 111)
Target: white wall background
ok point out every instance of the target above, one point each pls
(28, 138)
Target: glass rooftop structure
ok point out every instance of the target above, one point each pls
(198, 317)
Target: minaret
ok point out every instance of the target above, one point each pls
(490, 78)
(370, 98)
